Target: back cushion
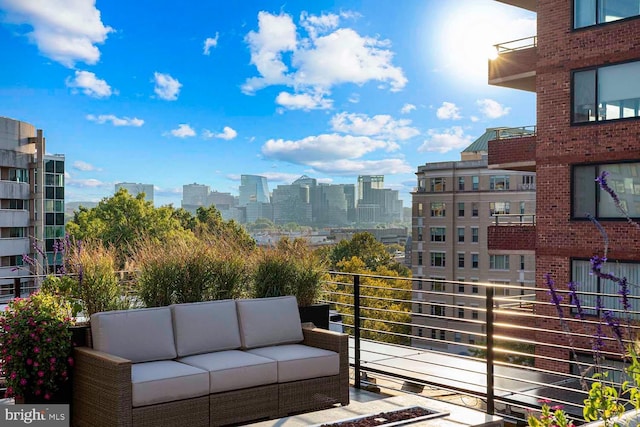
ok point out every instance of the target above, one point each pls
(138, 335)
(204, 327)
(269, 321)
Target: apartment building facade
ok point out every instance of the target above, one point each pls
(584, 66)
(453, 207)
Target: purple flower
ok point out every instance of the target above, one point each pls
(624, 294)
(602, 181)
(613, 323)
(555, 298)
(598, 342)
(573, 298)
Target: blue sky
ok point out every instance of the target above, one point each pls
(171, 94)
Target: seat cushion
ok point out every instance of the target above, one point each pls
(205, 327)
(166, 381)
(234, 370)
(300, 362)
(269, 321)
(138, 335)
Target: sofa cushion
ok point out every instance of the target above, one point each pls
(300, 362)
(234, 370)
(166, 381)
(269, 321)
(138, 335)
(204, 327)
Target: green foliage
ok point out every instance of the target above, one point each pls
(291, 268)
(36, 345)
(550, 417)
(210, 226)
(122, 221)
(64, 287)
(374, 254)
(385, 302)
(189, 270)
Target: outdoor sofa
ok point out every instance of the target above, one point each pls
(207, 364)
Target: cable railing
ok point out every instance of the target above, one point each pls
(514, 219)
(519, 44)
(498, 347)
(498, 344)
(516, 132)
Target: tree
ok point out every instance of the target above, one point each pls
(209, 224)
(385, 302)
(122, 221)
(373, 253)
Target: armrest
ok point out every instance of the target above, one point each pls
(101, 388)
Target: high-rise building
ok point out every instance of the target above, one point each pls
(367, 183)
(375, 203)
(584, 67)
(253, 188)
(292, 203)
(194, 195)
(135, 188)
(22, 149)
(453, 207)
(54, 220)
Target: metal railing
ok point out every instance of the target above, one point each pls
(488, 343)
(519, 44)
(514, 219)
(516, 132)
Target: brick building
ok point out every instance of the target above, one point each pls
(584, 66)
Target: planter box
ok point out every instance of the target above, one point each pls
(318, 314)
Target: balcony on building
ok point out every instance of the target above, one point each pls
(513, 149)
(515, 64)
(512, 232)
(523, 4)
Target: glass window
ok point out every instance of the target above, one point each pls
(592, 12)
(474, 264)
(474, 313)
(436, 185)
(437, 310)
(498, 262)
(474, 234)
(474, 209)
(499, 208)
(461, 260)
(522, 207)
(59, 166)
(419, 258)
(460, 234)
(59, 193)
(437, 286)
(589, 285)
(438, 209)
(461, 288)
(460, 311)
(49, 166)
(59, 205)
(48, 206)
(607, 93)
(498, 182)
(475, 183)
(419, 209)
(442, 334)
(461, 209)
(589, 199)
(438, 234)
(49, 193)
(461, 183)
(419, 234)
(438, 259)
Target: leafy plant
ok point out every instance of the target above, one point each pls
(550, 416)
(35, 344)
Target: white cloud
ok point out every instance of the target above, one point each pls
(319, 61)
(475, 119)
(167, 87)
(445, 141)
(83, 166)
(116, 121)
(159, 191)
(64, 30)
(183, 131)
(87, 183)
(407, 108)
(89, 84)
(325, 147)
(227, 133)
(492, 109)
(359, 167)
(448, 111)
(209, 43)
(303, 101)
(381, 125)
(354, 98)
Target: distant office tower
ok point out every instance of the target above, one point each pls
(367, 183)
(253, 188)
(22, 149)
(292, 203)
(332, 204)
(194, 196)
(53, 208)
(134, 189)
(375, 203)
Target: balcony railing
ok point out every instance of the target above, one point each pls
(514, 219)
(496, 346)
(517, 132)
(519, 44)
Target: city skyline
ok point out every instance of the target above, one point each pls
(331, 89)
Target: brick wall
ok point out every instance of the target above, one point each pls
(560, 145)
(511, 237)
(512, 150)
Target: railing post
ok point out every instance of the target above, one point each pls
(16, 287)
(356, 327)
(490, 360)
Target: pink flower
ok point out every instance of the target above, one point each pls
(47, 396)
(36, 349)
(37, 392)
(14, 375)
(8, 358)
(52, 360)
(63, 374)
(23, 381)
(40, 382)
(9, 391)
(70, 361)
(40, 374)
(36, 364)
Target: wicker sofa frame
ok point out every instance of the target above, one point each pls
(102, 394)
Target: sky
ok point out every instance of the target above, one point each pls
(169, 94)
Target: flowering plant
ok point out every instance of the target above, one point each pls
(550, 416)
(35, 345)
